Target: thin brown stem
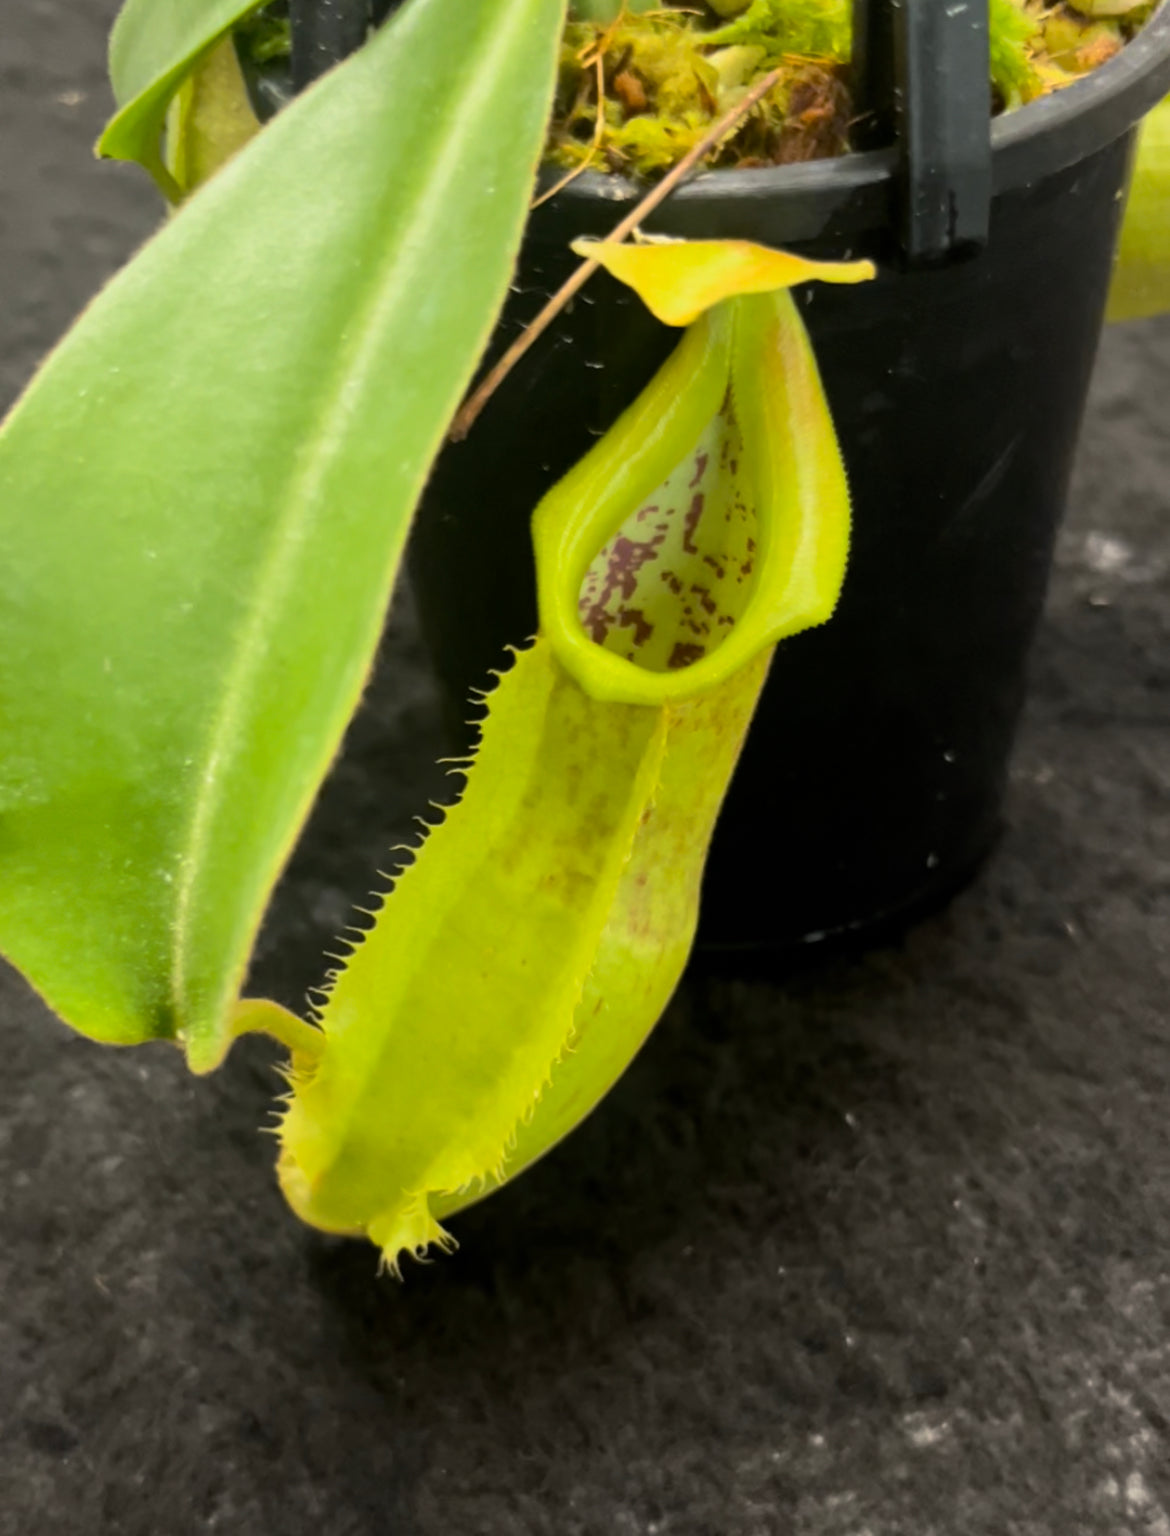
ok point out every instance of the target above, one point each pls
(475, 402)
(598, 135)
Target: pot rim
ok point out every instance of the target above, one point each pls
(855, 194)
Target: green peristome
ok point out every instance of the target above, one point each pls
(797, 562)
(520, 962)
(1141, 279)
(154, 46)
(204, 497)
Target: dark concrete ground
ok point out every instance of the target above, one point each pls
(881, 1252)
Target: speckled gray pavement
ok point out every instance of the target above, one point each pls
(884, 1251)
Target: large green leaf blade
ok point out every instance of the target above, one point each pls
(154, 45)
(203, 501)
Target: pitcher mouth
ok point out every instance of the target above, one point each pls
(670, 585)
(694, 535)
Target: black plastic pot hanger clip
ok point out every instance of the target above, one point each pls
(921, 71)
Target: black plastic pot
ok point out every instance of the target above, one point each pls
(873, 779)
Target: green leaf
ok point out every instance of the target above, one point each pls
(606, 11)
(204, 497)
(154, 46)
(211, 119)
(1141, 279)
